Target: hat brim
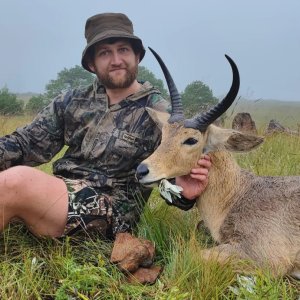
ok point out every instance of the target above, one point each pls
(109, 34)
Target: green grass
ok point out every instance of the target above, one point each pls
(279, 155)
(79, 267)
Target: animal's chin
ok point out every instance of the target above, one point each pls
(152, 183)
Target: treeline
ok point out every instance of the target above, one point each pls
(196, 97)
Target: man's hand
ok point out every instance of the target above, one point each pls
(195, 183)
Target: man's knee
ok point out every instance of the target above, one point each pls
(15, 179)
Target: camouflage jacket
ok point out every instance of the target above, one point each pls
(104, 143)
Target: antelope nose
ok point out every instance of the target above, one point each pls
(141, 171)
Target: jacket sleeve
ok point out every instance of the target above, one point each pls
(180, 202)
(37, 142)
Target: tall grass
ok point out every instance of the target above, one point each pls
(262, 111)
(79, 267)
(279, 155)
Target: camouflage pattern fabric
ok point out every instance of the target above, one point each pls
(104, 146)
(99, 210)
(105, 143)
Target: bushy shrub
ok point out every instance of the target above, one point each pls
(36, 103)
(9, 104)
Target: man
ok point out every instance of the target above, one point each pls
(108, 133)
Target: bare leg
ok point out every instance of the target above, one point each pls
(40, 200)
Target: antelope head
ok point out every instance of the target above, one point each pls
(184, 140)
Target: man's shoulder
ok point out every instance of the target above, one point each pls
(155, 98)
(150, 92)
(150, 88)
(82, 91)
(75, 94)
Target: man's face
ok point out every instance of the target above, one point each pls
(116, 65)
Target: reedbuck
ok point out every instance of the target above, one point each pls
(250, 217)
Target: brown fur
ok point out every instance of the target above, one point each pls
(251, 217)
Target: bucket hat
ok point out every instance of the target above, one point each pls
(108, 25)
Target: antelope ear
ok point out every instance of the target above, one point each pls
(231, 140)
(159, 117)
(241, 142)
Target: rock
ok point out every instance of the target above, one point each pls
(134, 259)
(130, 252)
(243, 122)
(145, 275)
(275, 127)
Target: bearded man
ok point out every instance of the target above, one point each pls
(107, 131)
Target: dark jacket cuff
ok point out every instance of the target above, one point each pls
(182, 203)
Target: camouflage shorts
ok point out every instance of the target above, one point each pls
(101, 210)
(88, 209)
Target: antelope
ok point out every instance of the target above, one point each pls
(254, 218)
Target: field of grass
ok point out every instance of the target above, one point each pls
(79, 268)
(262, 111)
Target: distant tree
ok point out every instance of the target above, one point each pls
(145, 75)
(9, 104)
(69, 79)
(197, 97)
(36, 103)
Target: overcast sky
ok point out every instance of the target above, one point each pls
(41, 37)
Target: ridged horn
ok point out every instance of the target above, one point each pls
(202, 121)
(176, 103)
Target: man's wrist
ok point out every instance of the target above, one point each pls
(182, 202)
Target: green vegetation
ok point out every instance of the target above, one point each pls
(79, 268)
(9, 104)
(197, 96)
(145, 75)
(68, 79)
(36, 103)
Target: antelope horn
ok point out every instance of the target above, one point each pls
(176, 104)
(202, 121)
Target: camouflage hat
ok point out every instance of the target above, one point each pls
(108, 25)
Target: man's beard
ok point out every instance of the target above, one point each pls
(111, 83)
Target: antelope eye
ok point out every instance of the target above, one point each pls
(190, 141)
